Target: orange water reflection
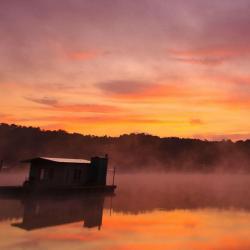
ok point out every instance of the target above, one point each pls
(180, 229)
(178, 212)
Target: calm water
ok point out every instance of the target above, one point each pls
(184, 212)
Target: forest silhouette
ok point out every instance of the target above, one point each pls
(128, 152)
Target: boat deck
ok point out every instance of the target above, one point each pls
(21, 190)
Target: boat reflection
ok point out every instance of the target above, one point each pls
(42, 212)
(135, 195)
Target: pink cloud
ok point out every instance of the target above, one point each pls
(84, 55)
(210, 55)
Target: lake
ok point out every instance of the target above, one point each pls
(148, 211)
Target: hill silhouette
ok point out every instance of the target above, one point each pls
(129, 152)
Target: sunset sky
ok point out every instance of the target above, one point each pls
(108, 67)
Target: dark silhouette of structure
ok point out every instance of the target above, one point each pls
(1, 165)
(11, 208)
(65, 176)
(62, 172)
(42, 213)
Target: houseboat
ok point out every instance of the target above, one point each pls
(52, 175)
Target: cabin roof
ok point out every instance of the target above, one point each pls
(59, 160)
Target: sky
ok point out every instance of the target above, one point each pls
(163, 67)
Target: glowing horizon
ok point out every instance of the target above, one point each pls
(167, 68)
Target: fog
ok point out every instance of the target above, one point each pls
(144, 192)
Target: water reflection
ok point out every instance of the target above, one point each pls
(42, 212)
(135, 195)
(175, 212)
(11, 208)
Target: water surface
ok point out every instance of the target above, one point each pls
(153, 211)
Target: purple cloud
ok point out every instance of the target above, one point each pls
(122, 86)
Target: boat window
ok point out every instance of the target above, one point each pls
(77, 174)
(51, 174)
(42, 174)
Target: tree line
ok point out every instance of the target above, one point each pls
(128, 152)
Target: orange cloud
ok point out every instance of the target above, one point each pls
(196, 121)
(230, 101)
(53, 104)
(92, 108)
(8, 118)
(143, 91)
(95, 119)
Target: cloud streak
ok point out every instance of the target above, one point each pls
(53, 104)
(213, 55)
(123, 87)
(196, 121)
(133, 119)
(48, 101)
(133, 90)
(84, 55)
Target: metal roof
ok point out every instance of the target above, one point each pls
(60, 160)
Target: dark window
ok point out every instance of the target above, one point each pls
(77, 174)
(42, 174)
(51, 174)
(66, 175)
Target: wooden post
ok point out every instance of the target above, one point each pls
(111, 205)
(113, 177)
(1, 165)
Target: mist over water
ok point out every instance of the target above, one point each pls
(149, 211)
(138, 192)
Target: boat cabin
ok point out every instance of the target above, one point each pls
(63, 172)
